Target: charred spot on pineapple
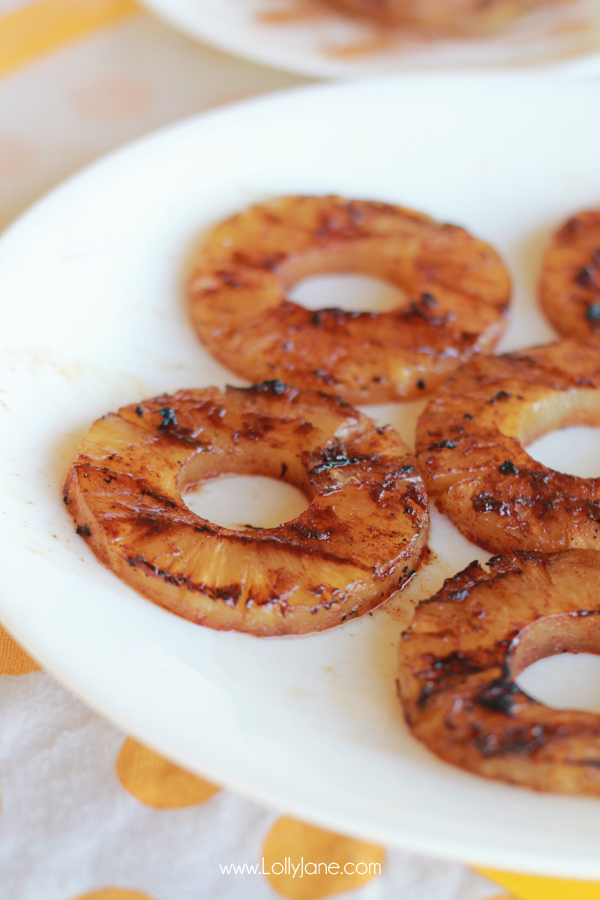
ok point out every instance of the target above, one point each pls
(167, 413)
(592, 313)
(500, 395)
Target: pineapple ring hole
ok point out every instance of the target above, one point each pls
(562, 432)
(359, 277)
(556, 661)
(571, 451)
(245, 501)
(350, 292)
(567, 681)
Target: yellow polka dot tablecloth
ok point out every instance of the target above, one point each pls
(87, 812)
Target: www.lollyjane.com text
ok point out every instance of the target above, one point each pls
(300, 869)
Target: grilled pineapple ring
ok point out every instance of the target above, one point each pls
(570, 279)
(358, 541)
(457, 288)
(471, 438)
(460, 16)
(466, 645)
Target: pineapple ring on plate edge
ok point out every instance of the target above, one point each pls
(570, 277)
(471, 439)
(358, 541)
(457, 287)
(466, 645)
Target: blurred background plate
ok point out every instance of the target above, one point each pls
(293, 35)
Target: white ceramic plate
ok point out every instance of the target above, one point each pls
(287, 35)
(94, 317)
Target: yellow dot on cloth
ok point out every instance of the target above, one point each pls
(306, 863)
(114, 893)
(535, 887)
(13, 659)
(500, 897)
(155, 781)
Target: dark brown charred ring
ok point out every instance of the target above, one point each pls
(343, 556)
(467, 644)
(456, 286)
